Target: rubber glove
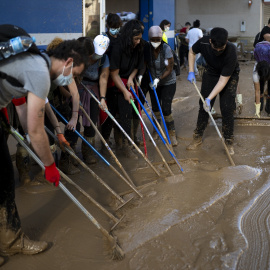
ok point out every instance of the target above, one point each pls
(239, 103)
(191, 77)
(52, 174)
(62, 141)
(207, 105)
(139, 80)
(155, 83)
(258, 110)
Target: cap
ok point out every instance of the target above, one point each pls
(155, 31)
(101, 44)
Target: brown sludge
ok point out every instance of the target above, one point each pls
(212, 217)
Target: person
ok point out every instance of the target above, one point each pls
(265, 33)
(32, 72)
(159, 60)
(261, 74)
(221, 77)
(113, 24)
(95, 78)
(126, 59)
(165, 27)
(183, 49)
(194, 35)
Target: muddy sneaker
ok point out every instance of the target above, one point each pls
(173, 137)
(197, 140)
(25, 246)
(230, 148)
(66, 165)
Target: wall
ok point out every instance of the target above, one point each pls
(115, 6)
(227, 14)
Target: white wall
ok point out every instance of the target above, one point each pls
(222, 13)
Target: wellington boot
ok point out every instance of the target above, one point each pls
(155, 135)
(2, 261)
(66, 165)
(23, 165)
(20, 243)
(74, 161)
(229, 144)
(87, 152)
(128, 151)
(134, 130)
(118, 138)
(197, 140)
(173, 137)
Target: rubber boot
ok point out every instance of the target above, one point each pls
(197, 140)
(13, 241)
(74, 161)
(172, 135)
(66, 165)
(118, 138)
(87, 152)
(134, 129)
(154, 133)
(229, 144)
(128, 151)
(23, 165)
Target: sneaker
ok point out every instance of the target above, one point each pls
(195, 143)
(230, 148)
(25, 246)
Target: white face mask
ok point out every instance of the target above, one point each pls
(62, 80)
(167, 29)
(155, 44)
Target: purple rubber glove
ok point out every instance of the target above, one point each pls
(207, 105)
(191, 77)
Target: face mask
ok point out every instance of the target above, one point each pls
(167, 29)
(62, 80)
(96, 57)
(217, 53)
(155, 44)
(114, 31)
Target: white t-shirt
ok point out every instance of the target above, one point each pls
(193, 35)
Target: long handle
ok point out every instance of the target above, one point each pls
(213, 121)
(131, 141)
(150, 136)
(129, 183)
(155, 127)
(161, 113)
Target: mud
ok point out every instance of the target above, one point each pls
(213, 216)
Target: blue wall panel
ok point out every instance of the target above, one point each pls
(49, 16)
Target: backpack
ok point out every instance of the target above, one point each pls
(176, 65)
(9, 31)
(257, 39)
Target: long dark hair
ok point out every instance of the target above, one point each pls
(129, 30)
(163, 23)
(263, 69)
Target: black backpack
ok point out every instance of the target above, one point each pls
(9, 31)
(257, 39)
(176, 65)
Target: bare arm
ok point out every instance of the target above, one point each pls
(36, 131)
(191, 60)
(75, 105)
(131, 77)
(103, 81)
(52, 118)
(119, 84)
(22, 113)
(219, 86)
(168, 69)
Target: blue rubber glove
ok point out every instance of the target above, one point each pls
(191, 77)
(207, 105)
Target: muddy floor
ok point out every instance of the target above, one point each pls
(214, 216)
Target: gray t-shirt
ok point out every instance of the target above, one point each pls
(92, 72)
(158, 71)
(30, 70)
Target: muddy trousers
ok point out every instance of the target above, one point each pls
(165, 95)
(89, 131)
(227, 104)
(9, 218)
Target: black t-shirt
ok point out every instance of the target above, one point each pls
(265, 30)
(113, 40)
(225, 64)
(125, 63)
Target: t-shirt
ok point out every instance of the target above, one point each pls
(113, 41)
(30, 70)
(92, 71)
(125, 63)
(193, 35)
(265, 30)
(225, 64)
(156, 67)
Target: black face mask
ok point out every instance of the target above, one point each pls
(217, 53)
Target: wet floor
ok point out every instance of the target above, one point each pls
(214, 216)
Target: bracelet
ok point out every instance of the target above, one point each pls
(103, 98)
